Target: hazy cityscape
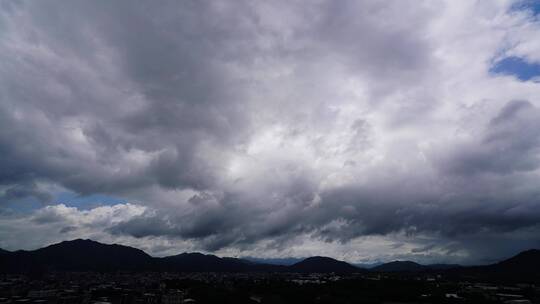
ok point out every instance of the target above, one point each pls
(169, 288)
(85, 271)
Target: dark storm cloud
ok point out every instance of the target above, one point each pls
(20, 191)
(217, 222)
(171, 94)
(494, 196)
(346, 29)
(509, 144)
(67, 229)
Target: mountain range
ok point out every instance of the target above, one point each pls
(323, 264)
(88, 255)
(409, 266)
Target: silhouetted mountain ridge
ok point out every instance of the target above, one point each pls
(88, 255)
(197, 262)
(410, 266)
(523, 267)
(524, 263)
(399, 266)
(78, 255)
(443, 266)
(323, 265)
(275, 261)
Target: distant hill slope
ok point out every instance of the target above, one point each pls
(276, 261)
(88, 255)
(322, 265)
(409, 266)
(524, 262)
(399, 266)
(77, 255)
(443, 266)
(523, 267)
(198, 262)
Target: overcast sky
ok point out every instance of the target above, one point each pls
(362, 130)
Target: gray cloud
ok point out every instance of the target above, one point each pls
(19, 191)
(508, 145)
(166, 95)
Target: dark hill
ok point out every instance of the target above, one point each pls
(276, 261)
(443, 266)
(523, 267)
(77, 255)
(399, 266)
(87, 255)
(322, 265)
(524, 262)
(190, 262)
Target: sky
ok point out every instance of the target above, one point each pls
(362, 130)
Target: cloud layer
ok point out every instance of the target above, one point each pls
(356, 129)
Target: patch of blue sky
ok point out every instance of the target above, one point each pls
(22, 205)
(532, 6)
(86, 202)
(71, 199)
(517, 67)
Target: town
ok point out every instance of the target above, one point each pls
(177, 288)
